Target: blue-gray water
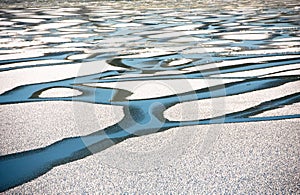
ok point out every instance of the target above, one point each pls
(138, 42)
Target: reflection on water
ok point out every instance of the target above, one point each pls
(150, 61)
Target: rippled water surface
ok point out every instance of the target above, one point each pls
(161, 63)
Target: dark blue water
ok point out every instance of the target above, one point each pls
(137, 44)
